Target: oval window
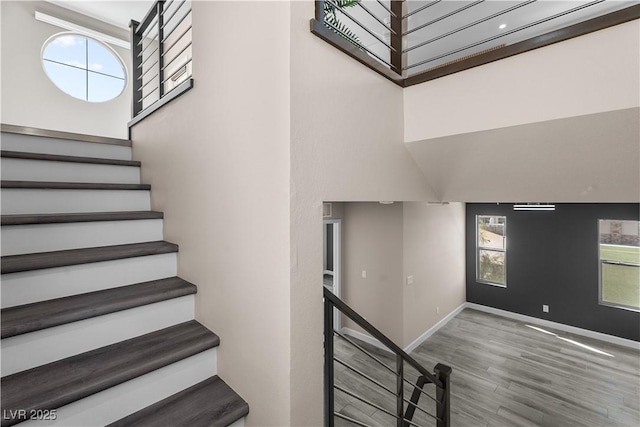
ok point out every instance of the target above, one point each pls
(83, 67)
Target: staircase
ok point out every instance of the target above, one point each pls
(96, 327)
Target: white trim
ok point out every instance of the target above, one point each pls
(508, 314)
(408, 349)
(337, 264)
(42, 17)
(365, 338)
(432, 330)
(559, 326)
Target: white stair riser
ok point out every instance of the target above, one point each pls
(23, 239)
(51, 171)
(40, 285)
(48, 345)
(24, 201)
(37, 144)
(124, 399)
(239, 423)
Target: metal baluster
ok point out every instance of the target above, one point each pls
(328, 363)
(161, 47)
(400, 391)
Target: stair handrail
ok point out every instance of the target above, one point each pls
(440, 378)
(155, 66)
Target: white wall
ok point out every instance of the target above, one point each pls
(29, 98)
(217, 159)
(434, 254)
(559, 123)
(591, 158)
(391, 243)
(590, 74)
(346, 144)
(372, 242)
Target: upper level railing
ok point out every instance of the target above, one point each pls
(393, 403)
(410, 42)
(162, 55)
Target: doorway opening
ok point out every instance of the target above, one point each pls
(331, 236)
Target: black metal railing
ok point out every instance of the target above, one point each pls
(402, 409)
(161, 53)
(403, 40)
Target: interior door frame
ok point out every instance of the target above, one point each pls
(337, 262)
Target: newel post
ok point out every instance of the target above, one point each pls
(136, 69)
(397, 28)
(443, 395)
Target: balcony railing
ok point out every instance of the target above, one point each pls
(161, 49)
(397, 405)
(410, 42)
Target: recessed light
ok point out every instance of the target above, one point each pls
(502, 26)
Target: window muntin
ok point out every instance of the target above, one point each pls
(83, 68)
(491, 249)
(619, 260)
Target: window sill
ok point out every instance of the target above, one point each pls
(497, 285)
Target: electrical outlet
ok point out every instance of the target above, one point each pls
(364, 274)
(545, 308)
(409, 280)
(437, 310)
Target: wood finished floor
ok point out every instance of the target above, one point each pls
(504, 374)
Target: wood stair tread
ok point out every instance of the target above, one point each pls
(28, 219)
(46, 185)
(209, 403)
(41, 260)
(45, 314)
(59, 383)
(71, 159)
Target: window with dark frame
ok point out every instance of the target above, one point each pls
(491, 249)
(619, 263)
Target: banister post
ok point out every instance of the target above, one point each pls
(328, 364)
(400, 391)
(136, 73)
(319, 10)
(397, 27)
(443, 395)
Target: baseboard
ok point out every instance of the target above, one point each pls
(508, 314)
(422, 338)
(432, 330)
(365, 338)
(559, 326)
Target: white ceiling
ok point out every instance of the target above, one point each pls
(118, 13)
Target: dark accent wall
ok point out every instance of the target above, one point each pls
(552, 258)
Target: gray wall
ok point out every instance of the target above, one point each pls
(552, 258)
(373, 243)
(29, 98)
(392, 242)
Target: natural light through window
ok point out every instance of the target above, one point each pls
(491, 249)
(619, 246)
(574, 342)
(83, 67)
